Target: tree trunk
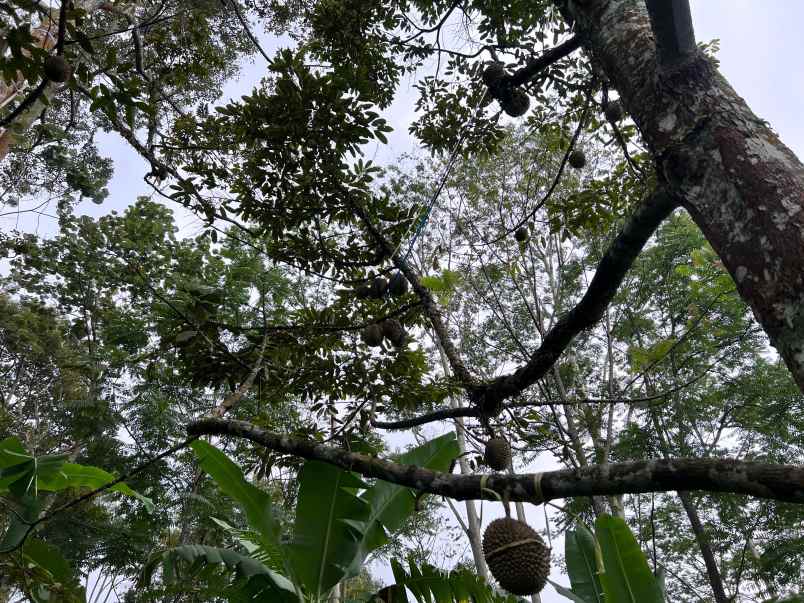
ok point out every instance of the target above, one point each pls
(44, 33)
(701, 537)
(712, 570)
(472, 519)
(741, 185)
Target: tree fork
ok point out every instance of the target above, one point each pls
(742, 186)
(611, 271)
(763, 480)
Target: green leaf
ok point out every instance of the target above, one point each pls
(272, 558)
(50, 574)
(49, 558)
(72, 475)
(429, 584)
(329, 528)
(392, 505)
(627, 577)
(12, 452)
(255, 503)
(581, 552)
(564, 591)
(18, 478)
(26, 511)
(19, 472)
(279, 587)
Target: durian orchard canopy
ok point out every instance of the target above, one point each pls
(283, 169)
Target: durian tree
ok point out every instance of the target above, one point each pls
(682, 357)
(282, 169)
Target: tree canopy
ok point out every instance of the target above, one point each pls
(597, 258)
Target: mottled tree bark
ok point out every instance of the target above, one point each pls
(741, 185)
(763, 480)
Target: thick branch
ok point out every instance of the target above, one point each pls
(671, 22)
(537, 65)
(763, 480)
(610, 273)
(741, 185)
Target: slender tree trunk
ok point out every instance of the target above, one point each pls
(741, 185)
(712, 570)
(615, 502)
(598, 503)
(473, 521)
(701, 537)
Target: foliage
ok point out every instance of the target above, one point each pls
(608, 566)
(116, 332)
(25, 482)
(339, 521)
(427, 583)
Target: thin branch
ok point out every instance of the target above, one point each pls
(436, 27)
(428, 303)
(556, 180)
(244, 23)
(230, 401)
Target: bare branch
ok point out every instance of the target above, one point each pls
(763, 480)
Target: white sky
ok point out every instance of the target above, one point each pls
(762, 48)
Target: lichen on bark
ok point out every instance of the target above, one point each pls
(743, 187)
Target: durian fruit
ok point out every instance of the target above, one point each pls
(393, 331)
(577, 159)
(522, 234)
(497, 454)
(493, 73)
(398, 285)
(517, 104)
(372, 335)
(159, 172)
(378, 287)
(516, 555)
(614, 111)
(363, 292)
(57, 69)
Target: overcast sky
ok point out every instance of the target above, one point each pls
(761, 50)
